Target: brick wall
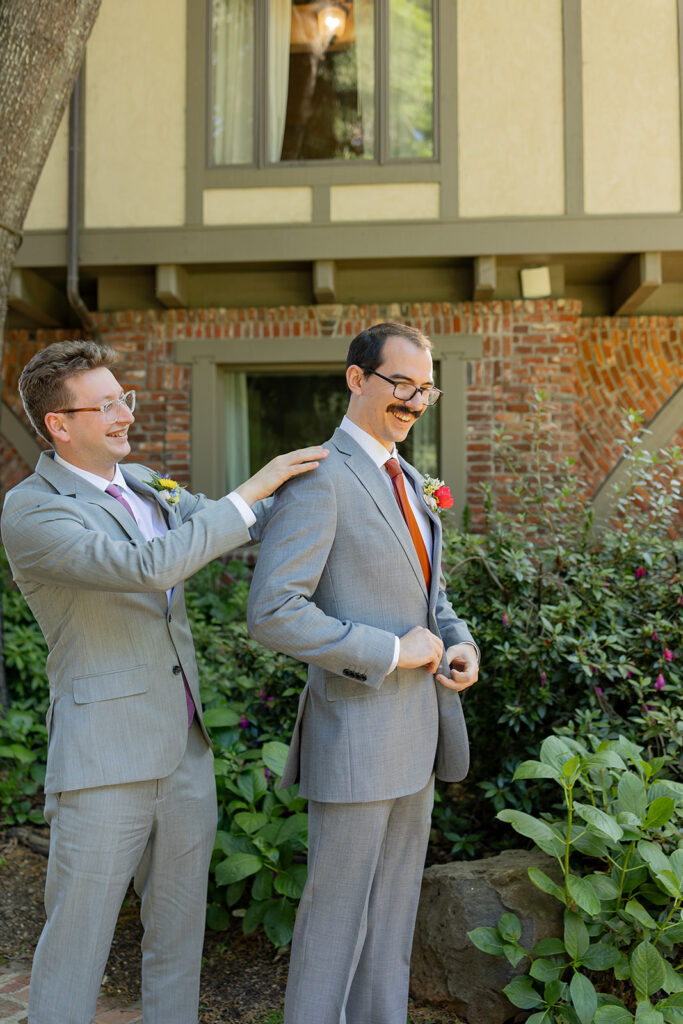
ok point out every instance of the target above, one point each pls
(591, 369)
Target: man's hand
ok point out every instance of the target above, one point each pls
(275, 472)
(464, 667)
(420, 648)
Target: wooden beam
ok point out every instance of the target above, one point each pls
(641, 276)
(324, 281)
(172, 286)
(34, 297)
(485, 278)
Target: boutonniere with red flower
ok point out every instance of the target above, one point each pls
(169, 489)
(437, 496)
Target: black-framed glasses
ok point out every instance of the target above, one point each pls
(110, 410)
(404, 391)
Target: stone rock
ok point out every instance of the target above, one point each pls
(446, 968)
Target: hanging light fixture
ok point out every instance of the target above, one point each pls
(331, 21)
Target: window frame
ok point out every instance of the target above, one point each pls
(263, 172)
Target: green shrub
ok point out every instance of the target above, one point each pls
(580, 628)
(619, 845)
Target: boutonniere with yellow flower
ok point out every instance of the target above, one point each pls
(437, 496)
(169, 489)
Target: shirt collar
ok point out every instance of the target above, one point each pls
(369, 444)
(93, 478)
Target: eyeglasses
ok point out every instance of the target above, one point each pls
(404, 392)
(110, 410)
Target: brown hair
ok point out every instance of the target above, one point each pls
(42, 384)
(366, 348)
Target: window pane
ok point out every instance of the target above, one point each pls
(321, 81)
(232, 70)
(289, 410)
(411, 79)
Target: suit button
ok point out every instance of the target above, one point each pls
(177, 670)
(170, 618)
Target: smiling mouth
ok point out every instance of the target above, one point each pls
(119, 433)
(402, 414)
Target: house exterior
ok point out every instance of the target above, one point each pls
(255, 181)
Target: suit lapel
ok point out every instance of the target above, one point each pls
(66, 482)
(144, 489)
(371, 479)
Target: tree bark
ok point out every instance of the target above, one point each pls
(42, 43)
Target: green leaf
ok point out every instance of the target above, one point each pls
(509, 927)
(487, 940)
(217, 918)
(647, 1014)
(599, 822)
(632, 795)
(570, 767)
(522, 993)
(535, 770)
(637, 912)
(275, 756)
(291, 882)
(647, 969)
(546, 884)
(545, 970)
(262, 886)
(549, 947)
(542, 834)
(253, 917)
(600, 956)
(673, 983)
(676, 861)
(613, 1015)
(669, 883)
(251, 821)
(583, 895)
(659, 812)
(555, 751)
(296, 826)
(236, 867)
(604, 887)
(513, 953)
(220, 718)
(576, 938)
(278, 923)
(584, 997)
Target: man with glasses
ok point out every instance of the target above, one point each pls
(100, 550)
(348, 580)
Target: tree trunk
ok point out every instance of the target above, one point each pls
(42, 43)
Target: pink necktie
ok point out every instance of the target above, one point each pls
(396, 474)
(116, 493)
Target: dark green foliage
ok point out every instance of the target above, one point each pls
(580, 628)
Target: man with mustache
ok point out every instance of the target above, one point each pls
(348, 580)
(100, 550)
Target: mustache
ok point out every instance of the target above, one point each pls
(405, 410)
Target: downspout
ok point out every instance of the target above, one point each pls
(72, 279)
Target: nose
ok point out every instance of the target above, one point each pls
(416, 402)
(125, 414)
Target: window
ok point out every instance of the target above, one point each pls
(268, 412)
(310, 80)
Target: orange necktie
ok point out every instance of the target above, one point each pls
(396, 474)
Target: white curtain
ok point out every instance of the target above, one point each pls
(364, 20)
(279, 34)
(233, 81)
(236, 429)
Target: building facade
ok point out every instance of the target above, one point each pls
(257, 180)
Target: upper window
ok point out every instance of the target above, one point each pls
(304, 80)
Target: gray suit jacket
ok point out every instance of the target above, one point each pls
(97, 589)
(336, 580)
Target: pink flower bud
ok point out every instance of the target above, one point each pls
(659, 682)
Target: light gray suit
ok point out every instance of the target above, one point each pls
(120, 756)
(337, 580)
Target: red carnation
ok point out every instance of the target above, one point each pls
(443, 497)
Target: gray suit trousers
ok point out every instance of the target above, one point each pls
(160, 831)
(350, 961)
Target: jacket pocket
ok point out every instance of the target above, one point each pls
(339, 688)
(110, 685)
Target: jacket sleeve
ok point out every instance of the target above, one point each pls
(49, 539)
(282, 612)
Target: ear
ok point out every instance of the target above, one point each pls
(56, 426)
(354, 379)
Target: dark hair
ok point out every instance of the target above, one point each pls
(366, 348)
(42, 384)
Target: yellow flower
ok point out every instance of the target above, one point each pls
(167, 483)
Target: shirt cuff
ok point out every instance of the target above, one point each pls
(397, 651)
(243, 509)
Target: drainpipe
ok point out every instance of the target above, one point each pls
(72, 280)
